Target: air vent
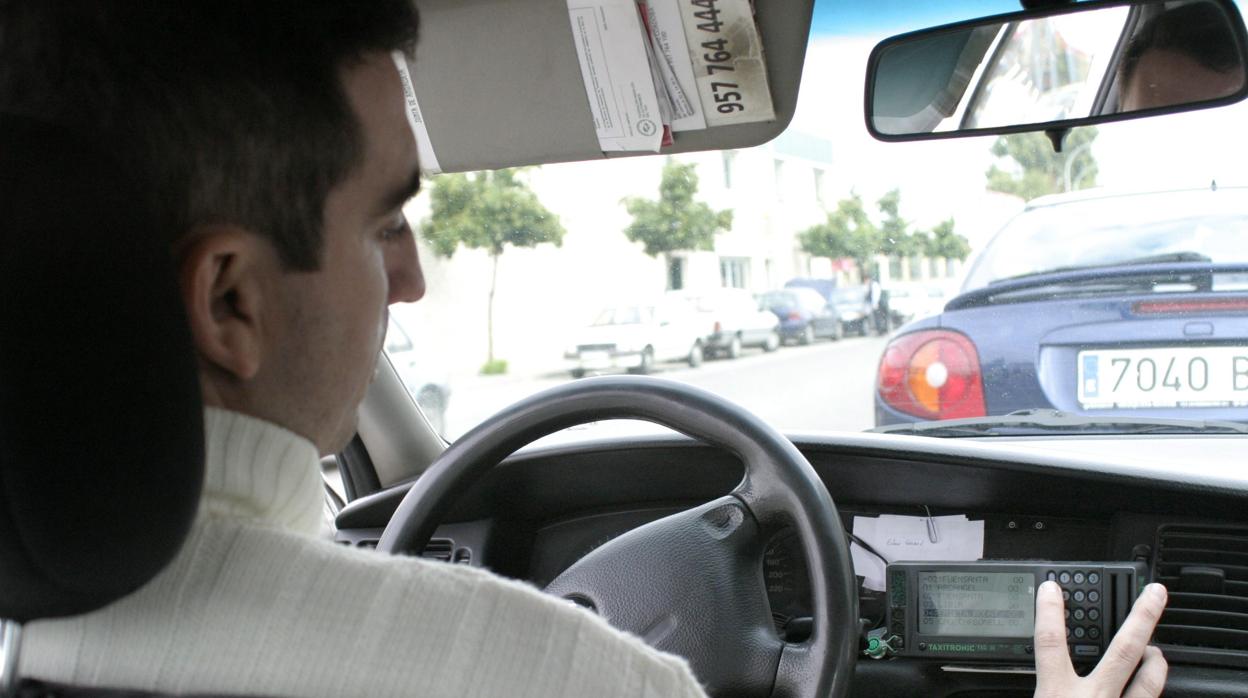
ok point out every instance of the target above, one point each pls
(1205, 569)
(439, 549)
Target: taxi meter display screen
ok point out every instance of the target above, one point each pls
(977, 604)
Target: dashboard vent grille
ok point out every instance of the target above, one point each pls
(439, 549)
(1205, 569)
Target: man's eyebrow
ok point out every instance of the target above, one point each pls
(398, 196)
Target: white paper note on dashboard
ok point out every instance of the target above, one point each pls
(910, 538)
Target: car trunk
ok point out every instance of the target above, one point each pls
(1182, 357)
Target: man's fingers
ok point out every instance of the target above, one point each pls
(1052, 657)
(1127, 649)
(1151, 678)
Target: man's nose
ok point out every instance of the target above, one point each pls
(407, 281)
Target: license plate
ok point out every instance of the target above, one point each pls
(1163, 377)
(595, 359)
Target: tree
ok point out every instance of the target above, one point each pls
(489, 211)
(675, 221)
(896, 240)
(1033, 169)
(946, 243)
(848, 232)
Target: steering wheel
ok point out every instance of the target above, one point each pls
(690, 583)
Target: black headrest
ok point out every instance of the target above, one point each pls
(101, 422)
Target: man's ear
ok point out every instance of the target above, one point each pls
(222, 272)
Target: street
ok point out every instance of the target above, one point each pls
(827, 385)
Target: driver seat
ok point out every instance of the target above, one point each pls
(101, 419)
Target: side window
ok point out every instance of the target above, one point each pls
(396, 339)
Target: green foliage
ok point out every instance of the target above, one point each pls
(947, 243)
(675, 221)
(896, 240)
(488, 210)
(848, 232)
(494, 367)
(1033, 169)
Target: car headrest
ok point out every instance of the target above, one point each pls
(101, 421)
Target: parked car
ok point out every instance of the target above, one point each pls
(733, 320)
(425, 383)
(1136, 305)
(911, 301)
(804, 315)
(824, 286)
(852, 307)
(637, 337)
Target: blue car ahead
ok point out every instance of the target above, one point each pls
(1128, 307)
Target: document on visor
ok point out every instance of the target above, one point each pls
(611, 46)
(913, 539)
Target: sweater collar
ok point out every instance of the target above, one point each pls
(257, 470)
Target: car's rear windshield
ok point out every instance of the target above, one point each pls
(1207, 225)
(627, 315)
(848, 295)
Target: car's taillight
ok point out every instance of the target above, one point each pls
(794, 315)
(718, 327)
(933, 374)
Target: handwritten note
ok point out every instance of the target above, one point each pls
(910, 538)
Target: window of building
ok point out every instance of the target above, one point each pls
(675, 273)
(734, 272)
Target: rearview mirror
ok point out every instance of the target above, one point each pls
(1081, 64)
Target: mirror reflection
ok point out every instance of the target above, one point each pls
(1090, 62)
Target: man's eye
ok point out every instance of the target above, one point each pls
(397, 230)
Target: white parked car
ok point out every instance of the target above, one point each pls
(732, 320)
(911, 301)
(428, 385)
(636, 337)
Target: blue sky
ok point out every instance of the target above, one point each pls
(886, 17)
(881, 17)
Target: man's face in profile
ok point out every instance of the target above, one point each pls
(332, 321)
(1164, 78)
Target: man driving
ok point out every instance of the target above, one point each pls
(271, 140)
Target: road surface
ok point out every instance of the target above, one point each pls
(827, 385)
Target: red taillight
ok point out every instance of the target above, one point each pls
(794, 315)
(933, 374)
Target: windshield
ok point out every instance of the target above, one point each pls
(631, 315)
(861, 274)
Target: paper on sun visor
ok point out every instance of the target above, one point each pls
(909, 539)
(727, 56)
(667, 34)
(424, 147)
(611, 49)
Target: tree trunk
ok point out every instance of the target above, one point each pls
(489, 312)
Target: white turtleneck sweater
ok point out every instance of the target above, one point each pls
(258, 603)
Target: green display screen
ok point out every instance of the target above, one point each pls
(977, 604)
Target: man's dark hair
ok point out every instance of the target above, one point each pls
(1199, 30)
(224, 111)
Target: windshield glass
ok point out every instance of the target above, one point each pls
(856, 270)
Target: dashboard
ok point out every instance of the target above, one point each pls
(544, 508)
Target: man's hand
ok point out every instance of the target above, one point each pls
(1056, 678)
